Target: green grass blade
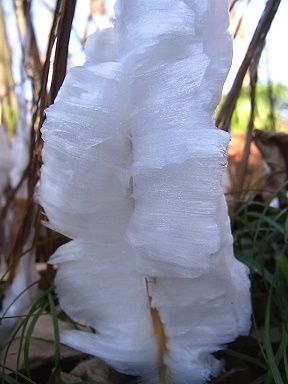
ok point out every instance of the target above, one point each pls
(282, 265)
(272, 363)
(27, 340)
(9, 380)
(23, 377)
(267, 220)
(247, 358)
(17, 298)
(259, 380)
(259, 339)
(22, 324)
(256, 267)
(42, 303)
(285, 360)
(286, 230)
(56, 375)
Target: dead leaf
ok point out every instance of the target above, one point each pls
(273, 146)
(91, 369)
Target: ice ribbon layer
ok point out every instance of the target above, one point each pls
(132, 174)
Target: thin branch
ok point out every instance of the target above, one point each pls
(31, 209)
(253, 72)
(10, 199)
(271, 98)
(42, 98)
(233, 5)
(254, 50)
(240, 21)
(61, 54)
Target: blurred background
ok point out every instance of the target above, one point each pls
(41, 39)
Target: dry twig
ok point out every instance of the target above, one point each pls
(253, 52)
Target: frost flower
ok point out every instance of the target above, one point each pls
(132, 174)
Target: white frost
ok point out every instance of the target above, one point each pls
(132, 174)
